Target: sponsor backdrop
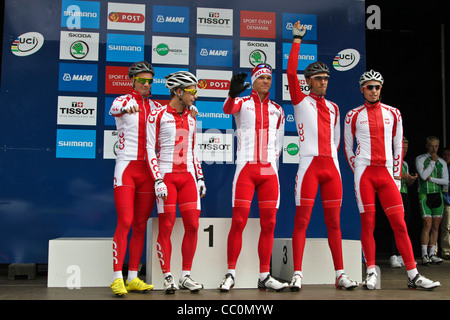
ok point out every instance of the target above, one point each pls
(64, 61)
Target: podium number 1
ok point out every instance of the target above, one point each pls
(210, 229)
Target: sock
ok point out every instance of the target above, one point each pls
(117, 275)
(166, 274)
(185, 273)
(263, 275)
(412, 273)
(371, 269)
(424, 250)
(132, 275)
(299, 273)
(432, 250)
(339, 273)
(232, 272)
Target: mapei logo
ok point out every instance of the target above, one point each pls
(27, 44)
(346, 59)
(309, 21)
(213, 52)
(219, 53)
(78, 77)
(171, 19)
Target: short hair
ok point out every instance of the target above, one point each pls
(432, 138)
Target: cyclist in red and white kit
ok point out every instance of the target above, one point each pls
(174, 164)
(377, 167)
(134, 195)
(318, 127)
(260, 131)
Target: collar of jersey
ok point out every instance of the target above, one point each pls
(255, 95)
(173, 110)
(372, 105)
(138, 96)
(315, 96)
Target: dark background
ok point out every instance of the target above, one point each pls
(407, 52)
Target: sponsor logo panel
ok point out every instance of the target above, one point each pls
(213, 83)
(170, 50)
(80, 14)
(215, 147)
(124, 47)
(307, 20)
(159, 80)
(122, 16)
(78, 46)
(171, 19)
(291, 149)
(210, 115)
(256, 24)
(77, 111)
(253, 53)
(289, 118)
(215, 21)
(116, 80)
(110, 141)
(307, 55)
(78, 77)
(75, 144)
(303, 86)
(214, 52)
(109, 119)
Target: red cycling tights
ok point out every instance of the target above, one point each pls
(248, 178)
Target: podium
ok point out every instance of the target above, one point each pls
(210, 260)
(317, 265)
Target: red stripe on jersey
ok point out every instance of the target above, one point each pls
(323, 128)
(142, 136)
(376, 127)
(181, 142)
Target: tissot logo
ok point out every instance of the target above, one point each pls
(215, 21)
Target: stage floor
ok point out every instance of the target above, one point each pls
(393, 287)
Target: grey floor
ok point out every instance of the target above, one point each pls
(393, 287)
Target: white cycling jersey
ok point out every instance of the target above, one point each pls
(131, 128)
(379, 134)
(260, 128)
(317, 119)
(171, 143)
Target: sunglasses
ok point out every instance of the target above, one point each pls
(191, 91)
(371, 87)
(264, 65)
(320, 78)
(143, 80)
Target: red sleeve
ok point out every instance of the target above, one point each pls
(232, 106)
(294, 85)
